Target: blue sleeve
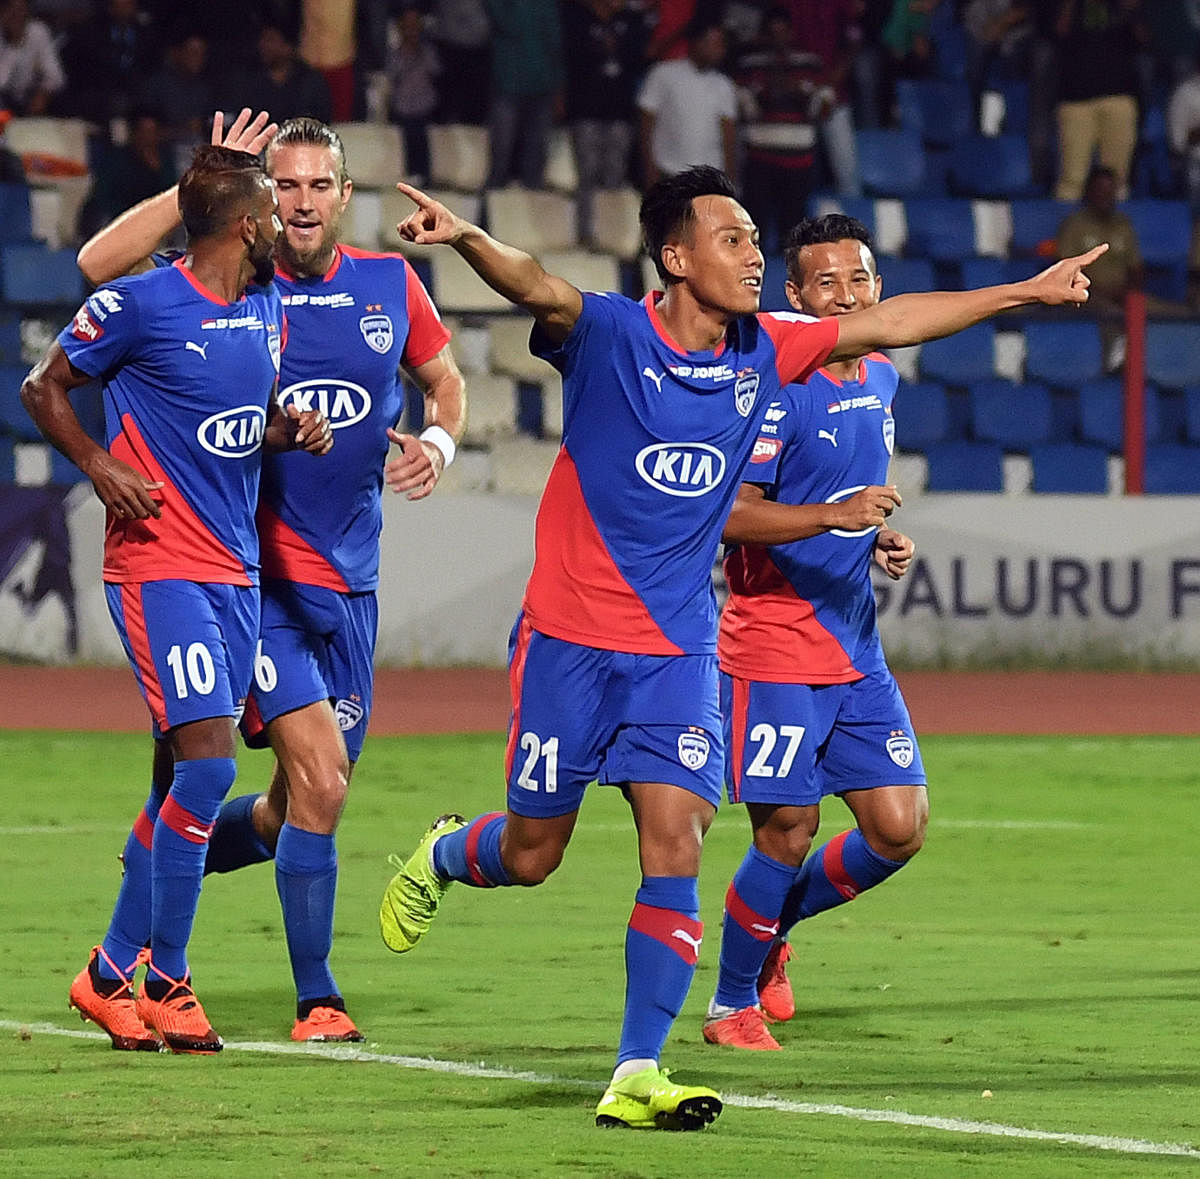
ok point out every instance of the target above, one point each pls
(104, 331)
(597, 320)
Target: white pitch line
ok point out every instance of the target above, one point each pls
(55, 829)
(341, 1052)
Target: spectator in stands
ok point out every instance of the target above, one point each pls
(527, 79)
(782, 99)
(108, 59)
(999, 37)
(31, 73)
(181, 90)
(460, 31)
(1098, 42)
(328, 44)
(603, 46)
(689, 109)
(126, 175)
(413, 67)
(281, 83)
(906, 38)
(1183, 132)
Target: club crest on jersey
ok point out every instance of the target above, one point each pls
(745, 391)
(889, 432)
(693, 750)
(348, 713)
(686, 469)
(377, 331)
(899, 748)
(343, 402)
(233, 433)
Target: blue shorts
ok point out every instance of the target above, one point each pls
(315, 644)
(792, 744)
(190, 644)
(581, 714)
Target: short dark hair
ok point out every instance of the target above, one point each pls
(220, 185)
(812, 231)
(306, 131)
(667, 211)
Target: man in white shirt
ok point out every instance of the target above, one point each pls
(689, 109)
(30, 71)
(1183, 131)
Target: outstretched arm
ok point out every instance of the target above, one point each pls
(754, 519)
(124, 245)
(518, 276)
(422, 460)
(913, 319)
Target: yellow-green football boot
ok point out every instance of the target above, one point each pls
(411, 899)
(649, 1100)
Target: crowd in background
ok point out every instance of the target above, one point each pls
(773, 92)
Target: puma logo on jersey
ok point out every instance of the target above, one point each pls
(657, 378)
(192, 346)
(684, 936)
(830, 436)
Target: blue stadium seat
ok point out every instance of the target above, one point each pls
(14, 420)
(10, 337)
(939, 110)
(1069, 468)
(964, 466)
(993, 272)
(991, 167)
(1016, 416)
(62, 470)
(891, 162)
(922, 415)
(1173, 354)
(939, 228)
(8, 472)
(860, 208)
(961, 359)
(1102, 413)
(903, 276)
(16, 218)
(1016, 104)
(1063, 352)
(1172, 469)
(1191, 414)
(1035, 221)
(774, 276)
(1164, 232)
(32, 274)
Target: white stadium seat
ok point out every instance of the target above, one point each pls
(458, 156)
(395, 207)
(533, 221)
(374, 153)
(589, 272)
(615, 226)
(561, 172)
(456, 287)
(491, 408)
(509, 349)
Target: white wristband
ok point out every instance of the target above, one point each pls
(442, 440)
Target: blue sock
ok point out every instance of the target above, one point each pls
(177, 858)
(752, 905)
(662, 945)
(234, 842)
(306, 877)
(129, 927)
(472, 853)
(834, 874)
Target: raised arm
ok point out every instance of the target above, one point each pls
(124, 245)
(913, 319)
(45, 394)
(518, 276)
(422, 459)
(754, 519)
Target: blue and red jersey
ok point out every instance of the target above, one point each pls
(654, 442)
(804, 612)
(188, 380)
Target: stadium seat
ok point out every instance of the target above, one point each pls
(33, 275)
(939, 110)
(965, 466)
(922, 413)
(992, 272)
(458, 156)
(961, 359)
(561, 173)
(939, 228)
(63, 471)
(774, 297)
(1016, 416)
(374, 153)
(615, 222)
(394, 207)
(10, 337)
(493, 408)
(862, 209)
(1102, 413)
(1069, 468)
(1164, 229)
(1035, 222)
(1172, 468)
(16, 216)
(1173, 354)
(982, 166)
(8, 466)
(891, 162)
(902, 276)
(15, 421)
(456, 287)
(1063, 352)
(509, 350)
(533, 221)
(1191, 414)
(587, 271)
(1015, 95)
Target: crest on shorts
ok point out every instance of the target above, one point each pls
(693, 750)
(348, 713)
(900, 749)
(745, 391)
(377, 331)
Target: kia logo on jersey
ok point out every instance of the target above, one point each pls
(836, 498)
(233, 433)
(342, 402)
(686, 469)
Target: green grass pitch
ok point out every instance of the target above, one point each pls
(1042, 947)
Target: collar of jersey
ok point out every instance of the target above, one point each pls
(650, 302)
(201, 289)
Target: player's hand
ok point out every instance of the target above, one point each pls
(310, 430)
(868, 508)
(1065, 281)
(893, 552)
(246, 134)
(416, 469)
(122, 490)
(431, 223)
